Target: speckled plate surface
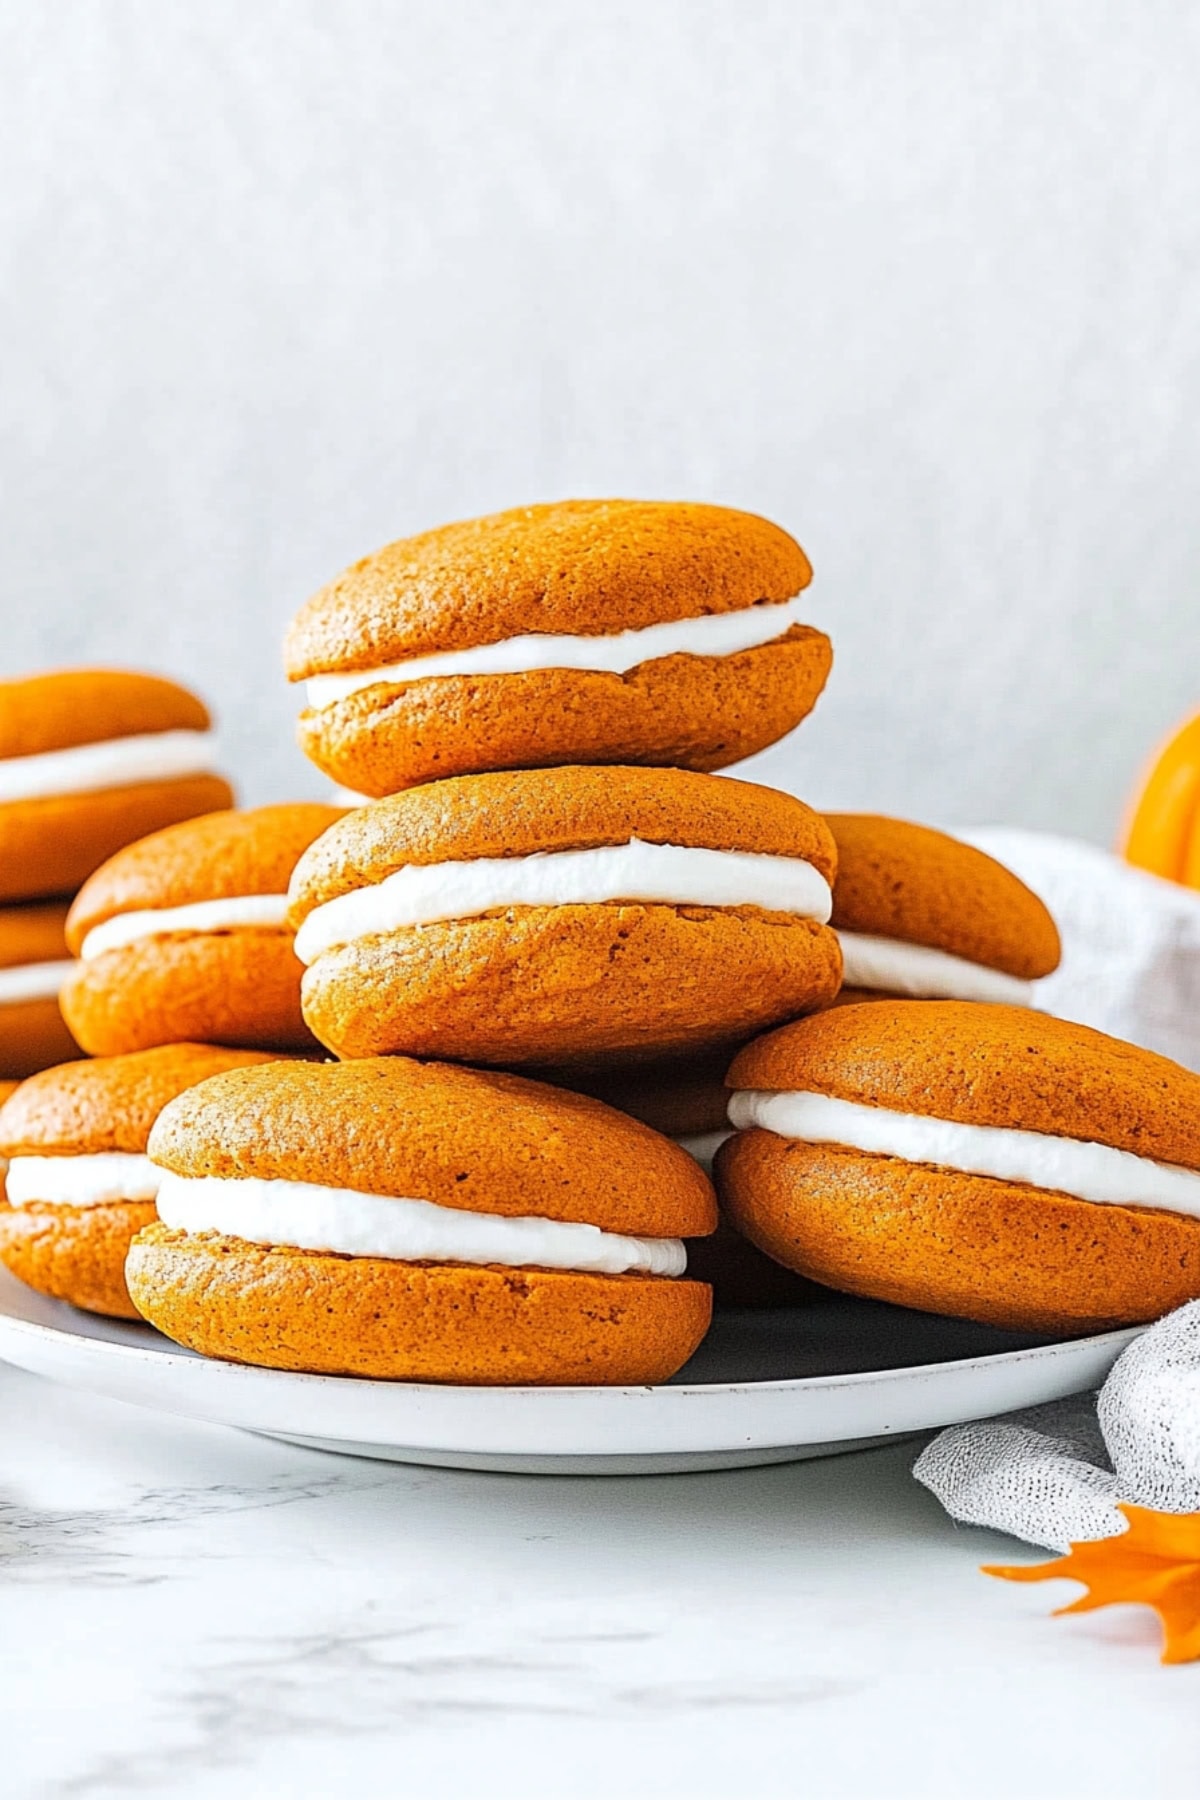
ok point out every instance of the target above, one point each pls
(764, 1387)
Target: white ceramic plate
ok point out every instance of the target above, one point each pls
(764, 1387)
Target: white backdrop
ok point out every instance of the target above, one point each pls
(920, 281)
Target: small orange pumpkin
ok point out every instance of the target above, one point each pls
(1162, 829)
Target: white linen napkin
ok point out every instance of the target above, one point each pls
(1053, 1474)
(1131, 943)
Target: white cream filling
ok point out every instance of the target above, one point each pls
(112, 763)
(893, 967)
(671, 874)
(702, 1146)
(1086, 1171)
(32, 981)
(716, 634)
(305, 1215)
(201, 915)
(93, 1180)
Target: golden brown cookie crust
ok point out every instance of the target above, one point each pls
(51, 846)
(964, 1245)
(33, 934)
(577, 566)
(467, 1138)
(75, 1253)
(67, 707)
(220, 855)
(110, 1104)
(34, 1035)
(900, 880)
(689, 712)
(556, 984)
(291, 1309)
(986, 1065)
(528, 811)
(239, 988)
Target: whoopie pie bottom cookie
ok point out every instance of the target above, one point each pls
(284, 1308)
(74, 1253)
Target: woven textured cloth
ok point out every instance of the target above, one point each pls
(1131, 943)
(1053, 1474)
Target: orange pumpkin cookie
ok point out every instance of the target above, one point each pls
(182, 936)
(921, 915)
(554, 915)
(416, 1221)
(33, 966)
(591, 631)
(91, 759)
(986, 1162)
(79, 1182)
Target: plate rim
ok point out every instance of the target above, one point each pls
(1118, 1339)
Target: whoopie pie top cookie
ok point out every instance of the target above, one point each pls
(922, 915)
(33, 966)
(89, 760)
(416, 1220)
(549, 915)
(617, 631)
(183, 935)
(984, 1161)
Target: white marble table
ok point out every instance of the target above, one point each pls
(185, 1610)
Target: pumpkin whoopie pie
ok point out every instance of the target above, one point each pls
(923, 916)
(33, 966)
(79, 1181)
(555, 915)
(605, 631)
(183, 936)
(421, 1222)
(91, 759)
(986, 1162)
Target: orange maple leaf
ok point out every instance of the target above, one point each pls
(1156, 1562)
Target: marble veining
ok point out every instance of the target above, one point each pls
(108, 1547)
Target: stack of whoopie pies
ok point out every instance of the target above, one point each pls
(550, 882)
(429, 1085)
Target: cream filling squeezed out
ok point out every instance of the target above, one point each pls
(306, 1215)
(200, 916)
(891, 966)
(89, 1180)
(615, 653)
(1086, 1171)
(671, 874)
(112, 763)
(32, 981)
